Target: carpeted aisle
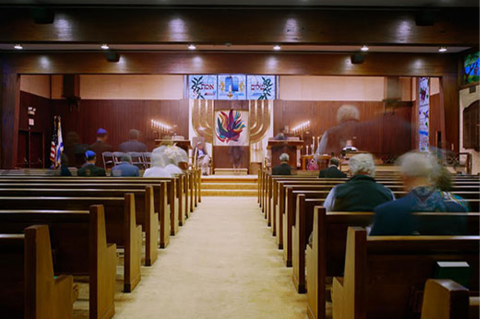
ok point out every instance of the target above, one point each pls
(222, 264)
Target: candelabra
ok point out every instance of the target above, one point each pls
(302, 128)
(160, 127)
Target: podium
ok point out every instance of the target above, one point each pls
(277, 147)
(183, 144)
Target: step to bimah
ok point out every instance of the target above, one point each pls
(227, 185)
(230, 171)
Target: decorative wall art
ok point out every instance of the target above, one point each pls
(231, 128)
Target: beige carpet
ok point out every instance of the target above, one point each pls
(222, 264)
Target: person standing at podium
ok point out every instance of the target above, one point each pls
(281, 136)
(284, 168)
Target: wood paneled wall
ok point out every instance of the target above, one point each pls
(43, 124)
(388, 131)
(119, 116)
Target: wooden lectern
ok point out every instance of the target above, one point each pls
(277, 147)
(183, 144)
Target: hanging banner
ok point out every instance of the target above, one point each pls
(423, 114)
(261, 87)
(231, 128)
(202, 87)
(232, 87)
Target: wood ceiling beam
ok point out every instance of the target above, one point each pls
(453, 27)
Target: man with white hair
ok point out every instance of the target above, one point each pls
(284, 168)
(419, 173)
(361, 193)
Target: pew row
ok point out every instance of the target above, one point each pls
(79, 241)
(28, 288)
(325, 256)
(121, 226)
(392, 270)
(163, 197)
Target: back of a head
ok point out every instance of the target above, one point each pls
(362, 164)
(90, 155)
(334, 161)
(347, 112)
(102, 133)
(419, 165)
(126, 158)
(133, 134)
(284, 157)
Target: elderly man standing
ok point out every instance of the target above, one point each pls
(419, 173)
(361, 193)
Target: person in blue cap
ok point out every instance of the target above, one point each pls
(126, 168)
(101, 146)
(89, 169)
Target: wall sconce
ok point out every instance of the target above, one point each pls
(31, 113)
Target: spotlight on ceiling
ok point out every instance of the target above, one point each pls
(364, 48)
(112, 56)
(18, 47)
(442, 49)
(105, 46)
(277, 47)
(192, 47)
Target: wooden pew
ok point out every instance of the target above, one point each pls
(163, 195)
(145, 213)
(325, 257)
(446, 299)
(391, 270)
(173, 188)
(121, 225)
(79, 242)
(28, 288)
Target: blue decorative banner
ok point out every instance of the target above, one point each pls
(261, 87)
(232, 87)
(202, 87)
(423, 114)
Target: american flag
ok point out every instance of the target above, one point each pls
(56, 147)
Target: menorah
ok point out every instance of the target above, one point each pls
(203, 118)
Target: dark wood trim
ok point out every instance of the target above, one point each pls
(10, 107)
(376, 64)
(449, 97)
(386, 26)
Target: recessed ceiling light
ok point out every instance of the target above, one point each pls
(442, 49)
(18, 47)
(192, 47)
(364, 48)
(277, 47)
(105, 47)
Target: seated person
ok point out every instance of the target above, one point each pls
(332, 171)
(64, 171)
(349, 147)
(282, 135)
(89, 168)
(125, 168)
(283, 168)
(202, 157)
(361, 193)
(101, 146)
(133, 144)
(419, 172)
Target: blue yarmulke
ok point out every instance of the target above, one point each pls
(90, 154)
(101, 131)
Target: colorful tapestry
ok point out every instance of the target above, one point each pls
(202, 87)
(261, 87)
(423, 114)
(232, 87)
(231, 127)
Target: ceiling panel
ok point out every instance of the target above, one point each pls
(336, 3)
